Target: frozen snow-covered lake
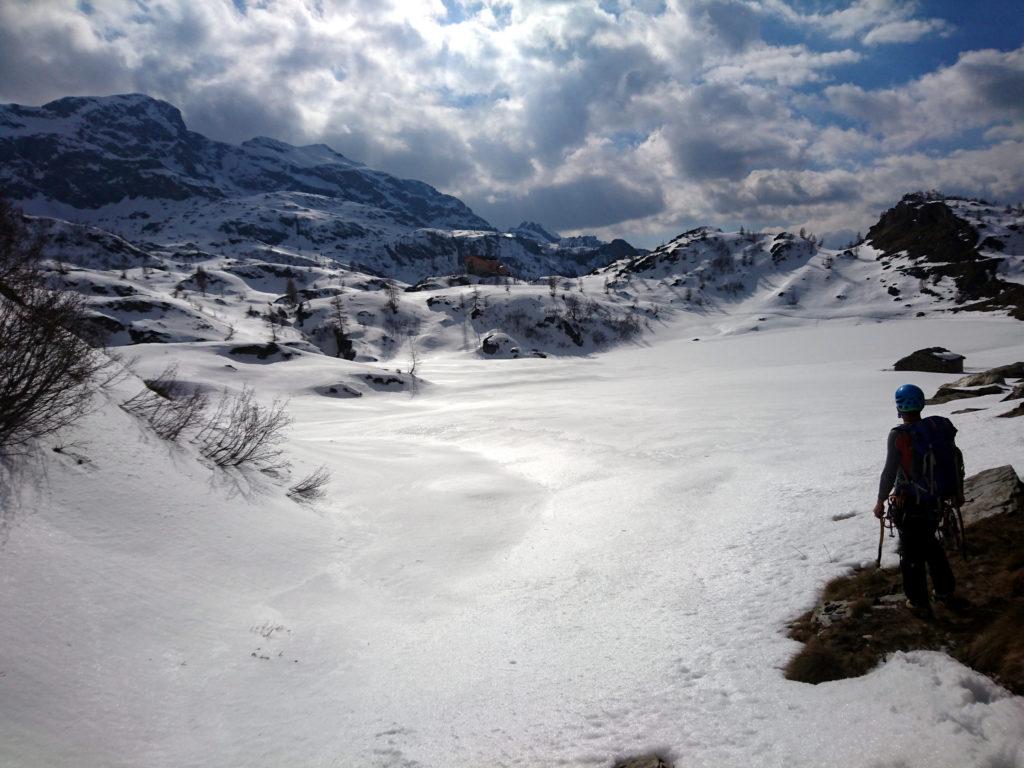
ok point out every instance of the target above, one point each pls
(530, 563)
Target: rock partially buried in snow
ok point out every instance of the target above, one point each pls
(499, 344)
(1011, 371)
(1018, 411)
(992, 492)
(647, 761)
(932, 360)
(948, 394)
(1017, 393)
(985, 378)
(384, 382)
(339, 390)
(270, 352)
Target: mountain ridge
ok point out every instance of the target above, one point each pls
(130, 165)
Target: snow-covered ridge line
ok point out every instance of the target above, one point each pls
(129, 164)
(741, 281)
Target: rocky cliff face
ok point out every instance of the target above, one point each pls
(91, 152)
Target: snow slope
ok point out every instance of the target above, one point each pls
(529, 562)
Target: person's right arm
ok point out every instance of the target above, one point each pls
(889, 471)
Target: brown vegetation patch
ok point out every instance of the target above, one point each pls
(862, 617)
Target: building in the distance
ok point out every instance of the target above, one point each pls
(484, 267)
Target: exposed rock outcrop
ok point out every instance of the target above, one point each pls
(948, 394)
(924, 229)
(1017, 393)
(932, 360)
(985, 378)
(993, 491)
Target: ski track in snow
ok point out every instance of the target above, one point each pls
(532, 562)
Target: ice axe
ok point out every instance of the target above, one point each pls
(881, 540)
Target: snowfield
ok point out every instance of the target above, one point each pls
(531, 562)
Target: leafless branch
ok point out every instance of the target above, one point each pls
(310, 487)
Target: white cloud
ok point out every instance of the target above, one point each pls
(786, 65)
(633, 116)
(873, 21)
(981, 89)
(906, 31)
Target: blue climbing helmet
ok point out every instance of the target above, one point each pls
(909, 399)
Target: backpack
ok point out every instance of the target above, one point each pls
(931, 466)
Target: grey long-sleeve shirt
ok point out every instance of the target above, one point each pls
(891, 468)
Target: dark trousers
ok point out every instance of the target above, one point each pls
(920, 554)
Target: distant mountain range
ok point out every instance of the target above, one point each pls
(128, 164)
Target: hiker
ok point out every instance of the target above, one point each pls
(923, 470)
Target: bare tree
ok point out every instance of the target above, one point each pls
(336, 323)
(414, 357)
(201, 279)
(391, 289)
(291, 292)
(271, 319)
(573, 306)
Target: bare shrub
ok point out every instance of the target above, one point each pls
(311, 487)
(170, 418)
(47, 373)
(166, 383)
(242, 432)
(626, 327)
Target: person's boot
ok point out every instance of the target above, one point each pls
(920, 610)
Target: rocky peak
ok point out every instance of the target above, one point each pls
(531, 230)
(926, 229)
(134, 113)
(933, 237)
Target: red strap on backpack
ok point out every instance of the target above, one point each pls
(905, 445)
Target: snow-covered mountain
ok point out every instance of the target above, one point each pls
(129, 165)
(91, 153)
(531, 230)
(738, 281)
(929, 253)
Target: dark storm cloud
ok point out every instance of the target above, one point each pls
(728, 131)
(41, 63)
(506, 161)
(426, 153)
(603, 84)
(234, 115)
(589, 201)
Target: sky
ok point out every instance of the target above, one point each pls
(628, 118)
